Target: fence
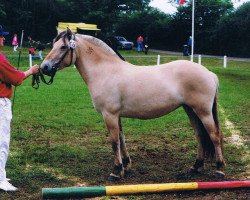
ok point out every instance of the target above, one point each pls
(159, 59)
(197, 58)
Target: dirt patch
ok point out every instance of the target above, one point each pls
(157, 161)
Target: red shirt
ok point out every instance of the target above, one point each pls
(8, 76)
(140, 39)
(32, 50)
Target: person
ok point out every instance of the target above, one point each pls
(8, 76)
(40, 47)
(15, 42)
(32, 51)
(30, 41)
(189, 43)
(146, 45)
(140, 43)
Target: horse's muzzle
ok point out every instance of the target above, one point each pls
(47, 69)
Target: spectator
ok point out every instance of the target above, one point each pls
(189, 43)
(32, 51)
(40, 47)
(8, 76)
(15, 42)
(140, 43)
(30, 41)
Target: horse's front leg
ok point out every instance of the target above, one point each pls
(112, 124)
(126, 161)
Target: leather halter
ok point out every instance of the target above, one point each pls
(35, 78)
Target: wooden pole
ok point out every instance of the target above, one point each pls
(86, 192)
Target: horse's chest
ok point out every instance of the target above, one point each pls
(102, 101)
(96, 103)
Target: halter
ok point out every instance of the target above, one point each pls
(35, 78)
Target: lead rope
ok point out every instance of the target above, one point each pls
(36, 79)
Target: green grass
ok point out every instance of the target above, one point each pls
(58, 139)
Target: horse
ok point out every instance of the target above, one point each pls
(120, 89)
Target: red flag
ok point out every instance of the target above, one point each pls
(182, 2)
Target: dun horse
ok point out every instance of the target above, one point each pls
(120, 89)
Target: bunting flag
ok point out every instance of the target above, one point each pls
(181, 2)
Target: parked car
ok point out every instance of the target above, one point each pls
(122, 43)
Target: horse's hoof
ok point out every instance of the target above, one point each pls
(219, 174)
(196, 170)
(127, 171)
(126, 164)
(113, 178)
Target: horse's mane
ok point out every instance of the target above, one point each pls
(99, 43)
(91, 39)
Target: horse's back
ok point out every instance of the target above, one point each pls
(157, 90)
(180, 73)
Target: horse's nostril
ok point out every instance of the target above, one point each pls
(45, 68)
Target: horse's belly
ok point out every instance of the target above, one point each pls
(148, 111)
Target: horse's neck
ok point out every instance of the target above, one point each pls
(92, 62)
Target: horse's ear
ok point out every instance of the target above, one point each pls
(69, 33)
(71, 37)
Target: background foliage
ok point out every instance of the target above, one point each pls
(216, 22)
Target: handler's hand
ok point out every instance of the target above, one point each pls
(34, 69)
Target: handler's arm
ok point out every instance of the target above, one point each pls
(32, 70)
(9, 74)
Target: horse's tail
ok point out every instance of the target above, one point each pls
(216, 118)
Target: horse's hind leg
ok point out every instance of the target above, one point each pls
(198, 129)
(216, 138)
(126, 161)
(113, 128)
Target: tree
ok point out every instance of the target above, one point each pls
(149, 23)
(231, 34)
(207, 14)
(39, 18)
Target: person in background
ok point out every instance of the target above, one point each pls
(32, 51)
(30, 41)
(15, 42)
(189, 43)
(40, 47)
(8, 76)
(140, 43)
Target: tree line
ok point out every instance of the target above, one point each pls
(219, 28)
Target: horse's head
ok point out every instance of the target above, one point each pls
(61, 55)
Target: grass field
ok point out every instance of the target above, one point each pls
(59, 140)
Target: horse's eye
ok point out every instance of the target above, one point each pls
(64, 47)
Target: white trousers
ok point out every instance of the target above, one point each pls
(15, 47)
(40, 54)
(5, 120)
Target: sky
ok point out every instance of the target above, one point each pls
(163, 6)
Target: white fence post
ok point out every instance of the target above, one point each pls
(225, 62)
(199, 59)
(158, 59)
(30, 60)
